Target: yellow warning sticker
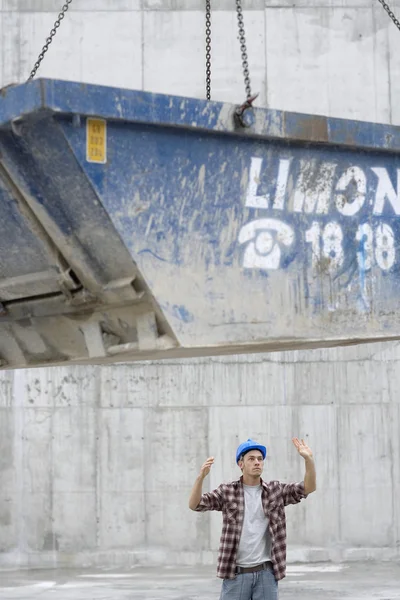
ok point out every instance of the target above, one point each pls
(96, 141)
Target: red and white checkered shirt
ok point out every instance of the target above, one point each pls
(229, 498)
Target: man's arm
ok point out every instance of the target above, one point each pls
(310, 477)
(197, 491)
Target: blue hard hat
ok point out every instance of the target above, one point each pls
(250, 445)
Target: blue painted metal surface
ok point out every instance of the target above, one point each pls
(279, 235)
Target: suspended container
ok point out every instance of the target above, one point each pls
(142, 226)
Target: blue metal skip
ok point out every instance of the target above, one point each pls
(138, 226)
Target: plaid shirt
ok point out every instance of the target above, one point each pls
(229, 498)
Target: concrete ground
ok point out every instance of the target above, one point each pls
(367, 581)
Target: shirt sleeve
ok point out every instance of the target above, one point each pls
(293, 492)
(211, 500)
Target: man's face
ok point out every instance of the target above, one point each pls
(252, 463)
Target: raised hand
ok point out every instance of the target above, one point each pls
(302, 448)
(206, 467)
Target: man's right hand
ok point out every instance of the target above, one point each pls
(206, 468)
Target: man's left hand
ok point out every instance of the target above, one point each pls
(302, 448)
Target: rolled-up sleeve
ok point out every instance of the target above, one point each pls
(293, 493)
(211, 500)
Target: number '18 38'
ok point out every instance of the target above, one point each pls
(373, 243)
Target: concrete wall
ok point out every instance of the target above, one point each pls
(96, 464)
(335, 57)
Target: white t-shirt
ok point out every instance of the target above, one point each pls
(255, 541)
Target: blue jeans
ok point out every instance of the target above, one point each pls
(261, 585)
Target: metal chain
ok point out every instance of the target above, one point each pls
(208, 49)
(50, 39)
(243, 48)
(390, 13)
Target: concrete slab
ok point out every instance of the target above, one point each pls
(332, 582)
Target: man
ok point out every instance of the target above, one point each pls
(252, 552)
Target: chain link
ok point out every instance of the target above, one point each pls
(208, 49)
(390, 13)
(50, 39)
(243, 48)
